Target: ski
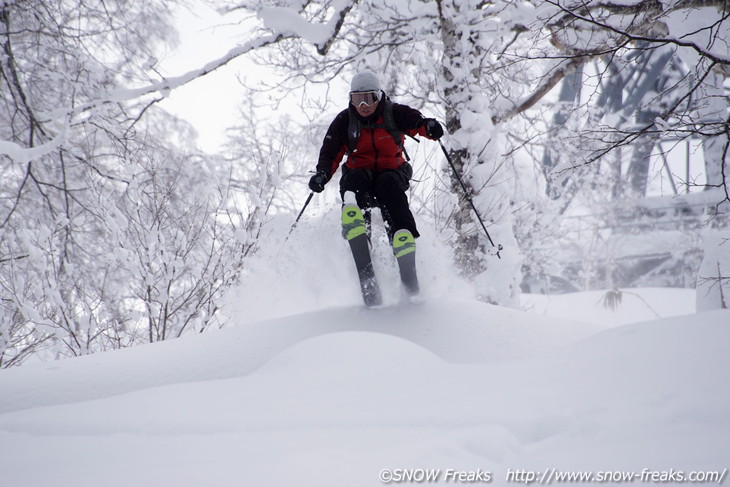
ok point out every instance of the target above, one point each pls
(354, 230)
(404, 248)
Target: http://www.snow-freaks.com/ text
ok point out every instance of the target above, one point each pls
(549, 476)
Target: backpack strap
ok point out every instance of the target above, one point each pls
(353, 132)
(392, 127)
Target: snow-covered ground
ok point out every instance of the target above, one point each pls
(593, 306)
(349, 396)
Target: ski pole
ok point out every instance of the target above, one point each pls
(306, 203)
(469, 199)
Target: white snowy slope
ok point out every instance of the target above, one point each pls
(334, 397)
(635, 305)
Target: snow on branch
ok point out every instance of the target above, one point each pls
(660, 29)
(287, 21)
(24, 155)
(634, 7)
(564, 68)
(164, 86)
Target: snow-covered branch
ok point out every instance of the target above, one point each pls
(122, 95)
(166, 85)
(653, 28)
(23, 155)
(547, 83)
(288, 22)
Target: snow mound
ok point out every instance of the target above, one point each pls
(352, 352)
(456, 331)
(334, 397)
(633, 395)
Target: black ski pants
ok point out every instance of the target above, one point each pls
(385, 190)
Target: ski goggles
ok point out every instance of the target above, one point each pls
(359, 98)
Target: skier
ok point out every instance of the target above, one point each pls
(371, 132)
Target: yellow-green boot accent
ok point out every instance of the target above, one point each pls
(353, 223)
(403, 243)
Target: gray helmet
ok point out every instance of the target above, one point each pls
(365, 81)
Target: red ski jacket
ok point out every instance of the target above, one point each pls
(376, 149)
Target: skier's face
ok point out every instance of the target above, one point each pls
(366, 110)
(365, 102)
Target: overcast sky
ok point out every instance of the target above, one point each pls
(208, 103)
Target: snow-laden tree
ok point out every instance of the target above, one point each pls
(111, 227)
(651, 79)
(267, 160)
(178, 252)
(145, 258)
(659, 72)
(61, 130)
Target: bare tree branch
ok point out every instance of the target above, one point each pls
(546, 85)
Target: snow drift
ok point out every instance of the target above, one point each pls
(334, 397)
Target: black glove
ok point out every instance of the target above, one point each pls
(434, 130)
(317, 182)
